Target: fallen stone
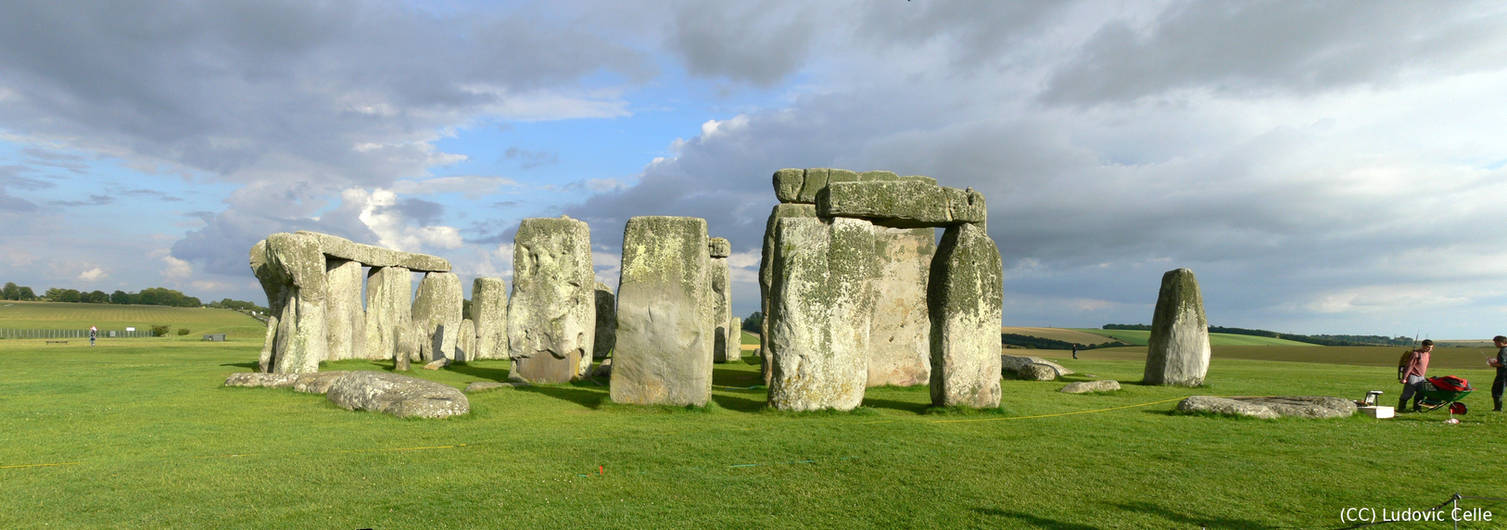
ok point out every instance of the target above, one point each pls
(606, 334)
(1219, 405)
(482, 386)
(373, 256)
(345, 320)
(437, 364)
(1304, 406)
(766, 275)
(900, 334)
(965, 298)
(903, 203)
(821, 307)
(1084, 387)
(1036, 372)
(663, 354)
(315, 383)
(399, 395)
(389, 294)
(1177, 353)
(438, 304)
(603, 370)
(552, 313)
(1010, 364)
(489, 308)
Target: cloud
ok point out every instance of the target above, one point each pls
(531, 159)
(174, 269)
(471, 186)
(94, 200)
(93, 275)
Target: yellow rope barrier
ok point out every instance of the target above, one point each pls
(24, 466)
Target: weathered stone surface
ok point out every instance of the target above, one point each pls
(606, 334)
(345, 320)
(552, 313)
(733, 348)
(437, 306)
(719, 309)
(1036, 372)
(1013, 364)
(919, 178)
(766, 275)
(264, 360)
(291, 269)
(869, 176)
(965, 297)
(406, 339)
(465, 341)
(399, 395)
(317, 383)
(312, 383)
(664, 349)
(1304, 406)
(389, 293)
(373, 256)
(903, 203)
(1219, 405)
(1084, 387)
(437, 364)
(900, 335)
(489, 308)
(821, 308)
(1178, 351)
(814, 182)
(603, 370)
(788, 183)
(482, 386)
(719, 247)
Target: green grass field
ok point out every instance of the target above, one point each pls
(1140, 337)
(62, 315)
(143, 434)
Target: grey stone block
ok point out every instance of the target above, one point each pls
(552, 313)
(664, 351)
(1177, 352)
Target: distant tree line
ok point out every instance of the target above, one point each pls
(149, 296)
(1040, 343)
(1322, 340)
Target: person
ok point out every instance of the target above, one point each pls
(93, 332)
(1414, 376)
(1075, 351)
(1500, 362)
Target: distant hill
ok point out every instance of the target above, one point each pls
(71, 315)
(1138, 337)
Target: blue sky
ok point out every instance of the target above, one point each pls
(1328, 167)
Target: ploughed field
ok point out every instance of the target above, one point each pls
(141, 433)
(67, 315)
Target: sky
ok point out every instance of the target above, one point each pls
(1322, 167)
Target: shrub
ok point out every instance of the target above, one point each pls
(182, 331)
(159, 330)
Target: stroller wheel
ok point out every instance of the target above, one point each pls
(1457, 408)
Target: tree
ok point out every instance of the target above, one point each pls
(754, 323)
(26, 294)
(97, 297)
(11, 291)
(120, 297)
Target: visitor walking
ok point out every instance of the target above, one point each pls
(1414, 375)
(1075, 351)
(93, 332)
(1500, 362)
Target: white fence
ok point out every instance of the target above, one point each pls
(6, 333)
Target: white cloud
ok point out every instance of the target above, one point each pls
(176, 269)
(93, 275)
(471, 186)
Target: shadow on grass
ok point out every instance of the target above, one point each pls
(583, 394)
(252, 365)
(1185, 520)
(734, 377)
(490, 374)
(736, 403)
(1032, 519)
(903, 406)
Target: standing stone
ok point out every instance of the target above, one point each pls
(734, 352)
(1178, 350)
(719, 306)
(821, 308)
(552, 313)
(438, 303)
(389, 291)
(465, 341)
(965, 299)
(489, 308)
(405, 340)
(291, 270)
(766, 273)
(345, 322)
(664, 349)
(606, 335)
(900, 336)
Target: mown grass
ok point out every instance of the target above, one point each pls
(1139, 337)
(64, 315)
(147, 436)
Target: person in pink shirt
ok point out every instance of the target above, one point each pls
(1414, 376)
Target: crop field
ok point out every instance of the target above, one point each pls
(1062, 334)
(63, 315)
(1136, 337)
(144, 434)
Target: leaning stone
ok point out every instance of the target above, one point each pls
(399, 395)
(1219, 405)
(489, 308)
(291, 269)
(664, 351)
(964, 298)
(766, 275)
(900, 335)
(373, 256)
(437, 364)
(788, 184)
(389, 300)
(345, 321)
(1084, 387)
(1036, 372)
(606, 334)
(1178, 351)
(465, 342)
(903, 203)
(719, 309)
(438, 303)
(552, 314)
(1011, 364)
(821, 307)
